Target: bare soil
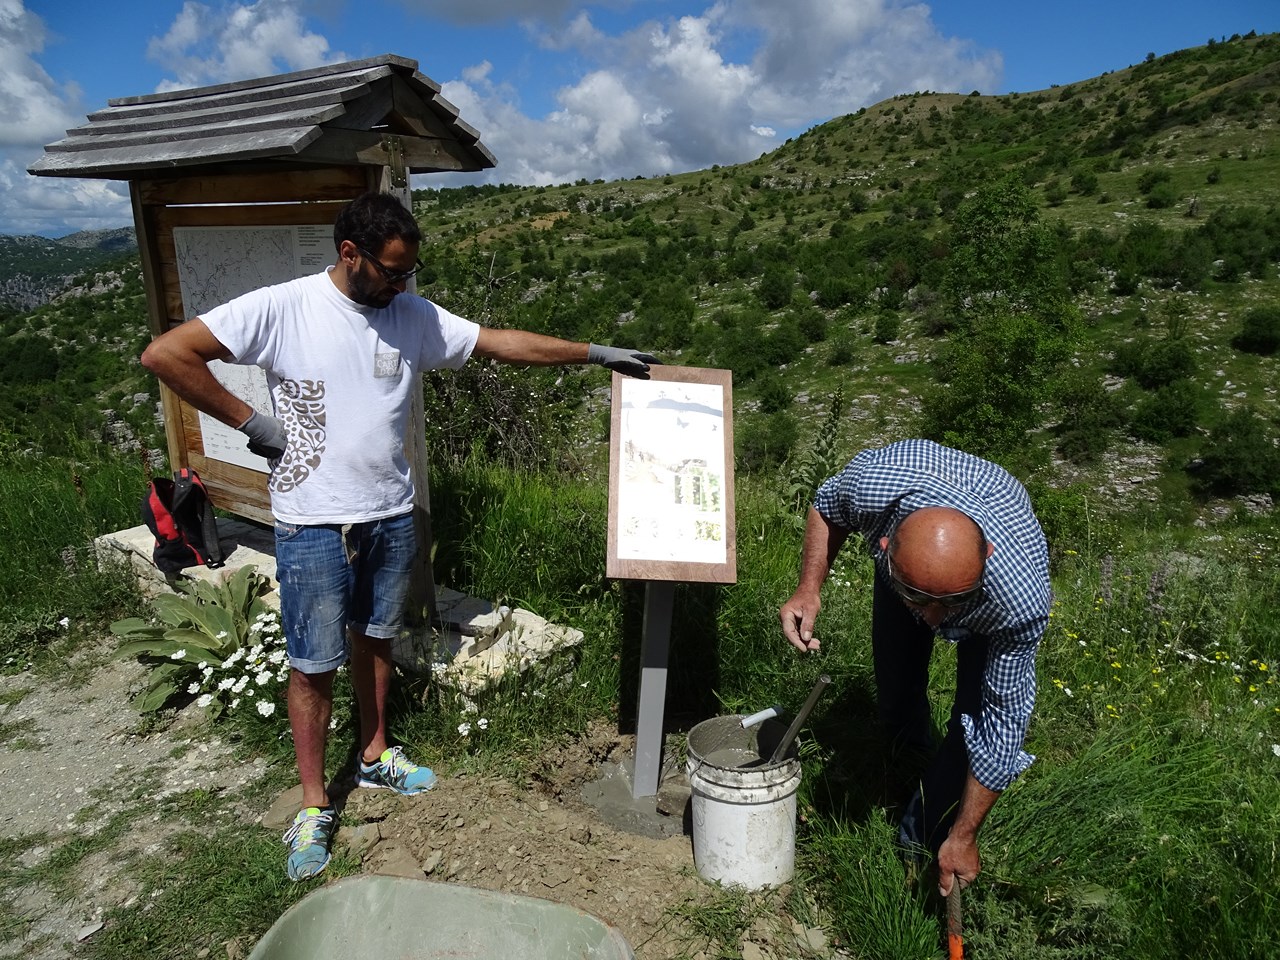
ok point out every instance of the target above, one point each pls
(538, 838)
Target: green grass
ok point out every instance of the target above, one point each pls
(52, 593)
(1147, 822)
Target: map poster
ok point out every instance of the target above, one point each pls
(217, 264)
(671, 477)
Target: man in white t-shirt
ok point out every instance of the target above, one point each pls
(342, 350)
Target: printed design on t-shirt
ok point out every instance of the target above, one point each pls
(300, 405)
(386, 364)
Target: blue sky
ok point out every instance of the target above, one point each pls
(560, 89)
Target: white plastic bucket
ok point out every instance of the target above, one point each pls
(743, 807)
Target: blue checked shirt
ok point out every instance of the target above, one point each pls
(880, 487)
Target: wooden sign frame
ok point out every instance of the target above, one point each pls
(671, 503)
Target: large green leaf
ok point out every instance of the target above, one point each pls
(156, 695)
(136, 627)
(167, 646)
(173, 609)
(219, 626)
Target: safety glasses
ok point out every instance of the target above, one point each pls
(389, 275)
(920, 598)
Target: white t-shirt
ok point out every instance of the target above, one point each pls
(342, 378)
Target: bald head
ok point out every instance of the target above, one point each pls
(939, 550)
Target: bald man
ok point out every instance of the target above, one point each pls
(958, 554)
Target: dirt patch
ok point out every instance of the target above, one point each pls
(75, 758)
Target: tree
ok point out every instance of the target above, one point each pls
(1002, 257)
(1239, 456)
(1014, 324)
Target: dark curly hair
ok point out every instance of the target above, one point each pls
(372, 220)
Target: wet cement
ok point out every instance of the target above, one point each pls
(610, 796)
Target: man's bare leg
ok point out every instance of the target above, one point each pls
(371, 677)
(310, 706)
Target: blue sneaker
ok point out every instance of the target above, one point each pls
(309, 840)
(394, 771)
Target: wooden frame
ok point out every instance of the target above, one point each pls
(671, 504)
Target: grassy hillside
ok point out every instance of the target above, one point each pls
(842, 260)
(1076, 281)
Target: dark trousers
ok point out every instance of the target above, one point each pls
(901, 646)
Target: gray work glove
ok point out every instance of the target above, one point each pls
(267, 437)
(633, 363)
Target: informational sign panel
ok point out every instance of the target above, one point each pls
(671, 511)
(217, 264)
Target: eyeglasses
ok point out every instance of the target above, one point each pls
(923, 599)
(389, 275)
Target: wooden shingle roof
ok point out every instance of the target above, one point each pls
(340, 114)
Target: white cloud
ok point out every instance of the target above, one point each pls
(205, 45)
(719, 85)
(35, 109)
(53, 206)
(490, 11)
(669, 96)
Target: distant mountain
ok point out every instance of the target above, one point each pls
(33, 270)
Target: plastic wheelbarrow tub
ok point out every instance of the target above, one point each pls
(398, 918)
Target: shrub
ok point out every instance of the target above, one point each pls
(888, 325)
(766, 441)
(1155, 363)
(1260, 332)
(1089, 415)
(1239, 456)
(775, 395)
(1171, 411)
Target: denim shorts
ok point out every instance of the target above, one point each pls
(334, 577)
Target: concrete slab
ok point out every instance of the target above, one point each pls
(472, 647)
(610, 796)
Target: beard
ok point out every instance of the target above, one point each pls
(368, 294)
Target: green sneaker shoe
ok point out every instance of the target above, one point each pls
(394, 771)
(309, 840)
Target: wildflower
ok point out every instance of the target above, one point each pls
(239, 685)
(226, 683)
(1262, 667)
(464, 728)
(482, 723)
(263, 678)
(64, 622)
(178, 654)
(266, 708)
(193, 688)
(234, 703)
(202, 665)
(204, 700)
(1275, 748)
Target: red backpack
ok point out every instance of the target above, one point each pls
(178, 513)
